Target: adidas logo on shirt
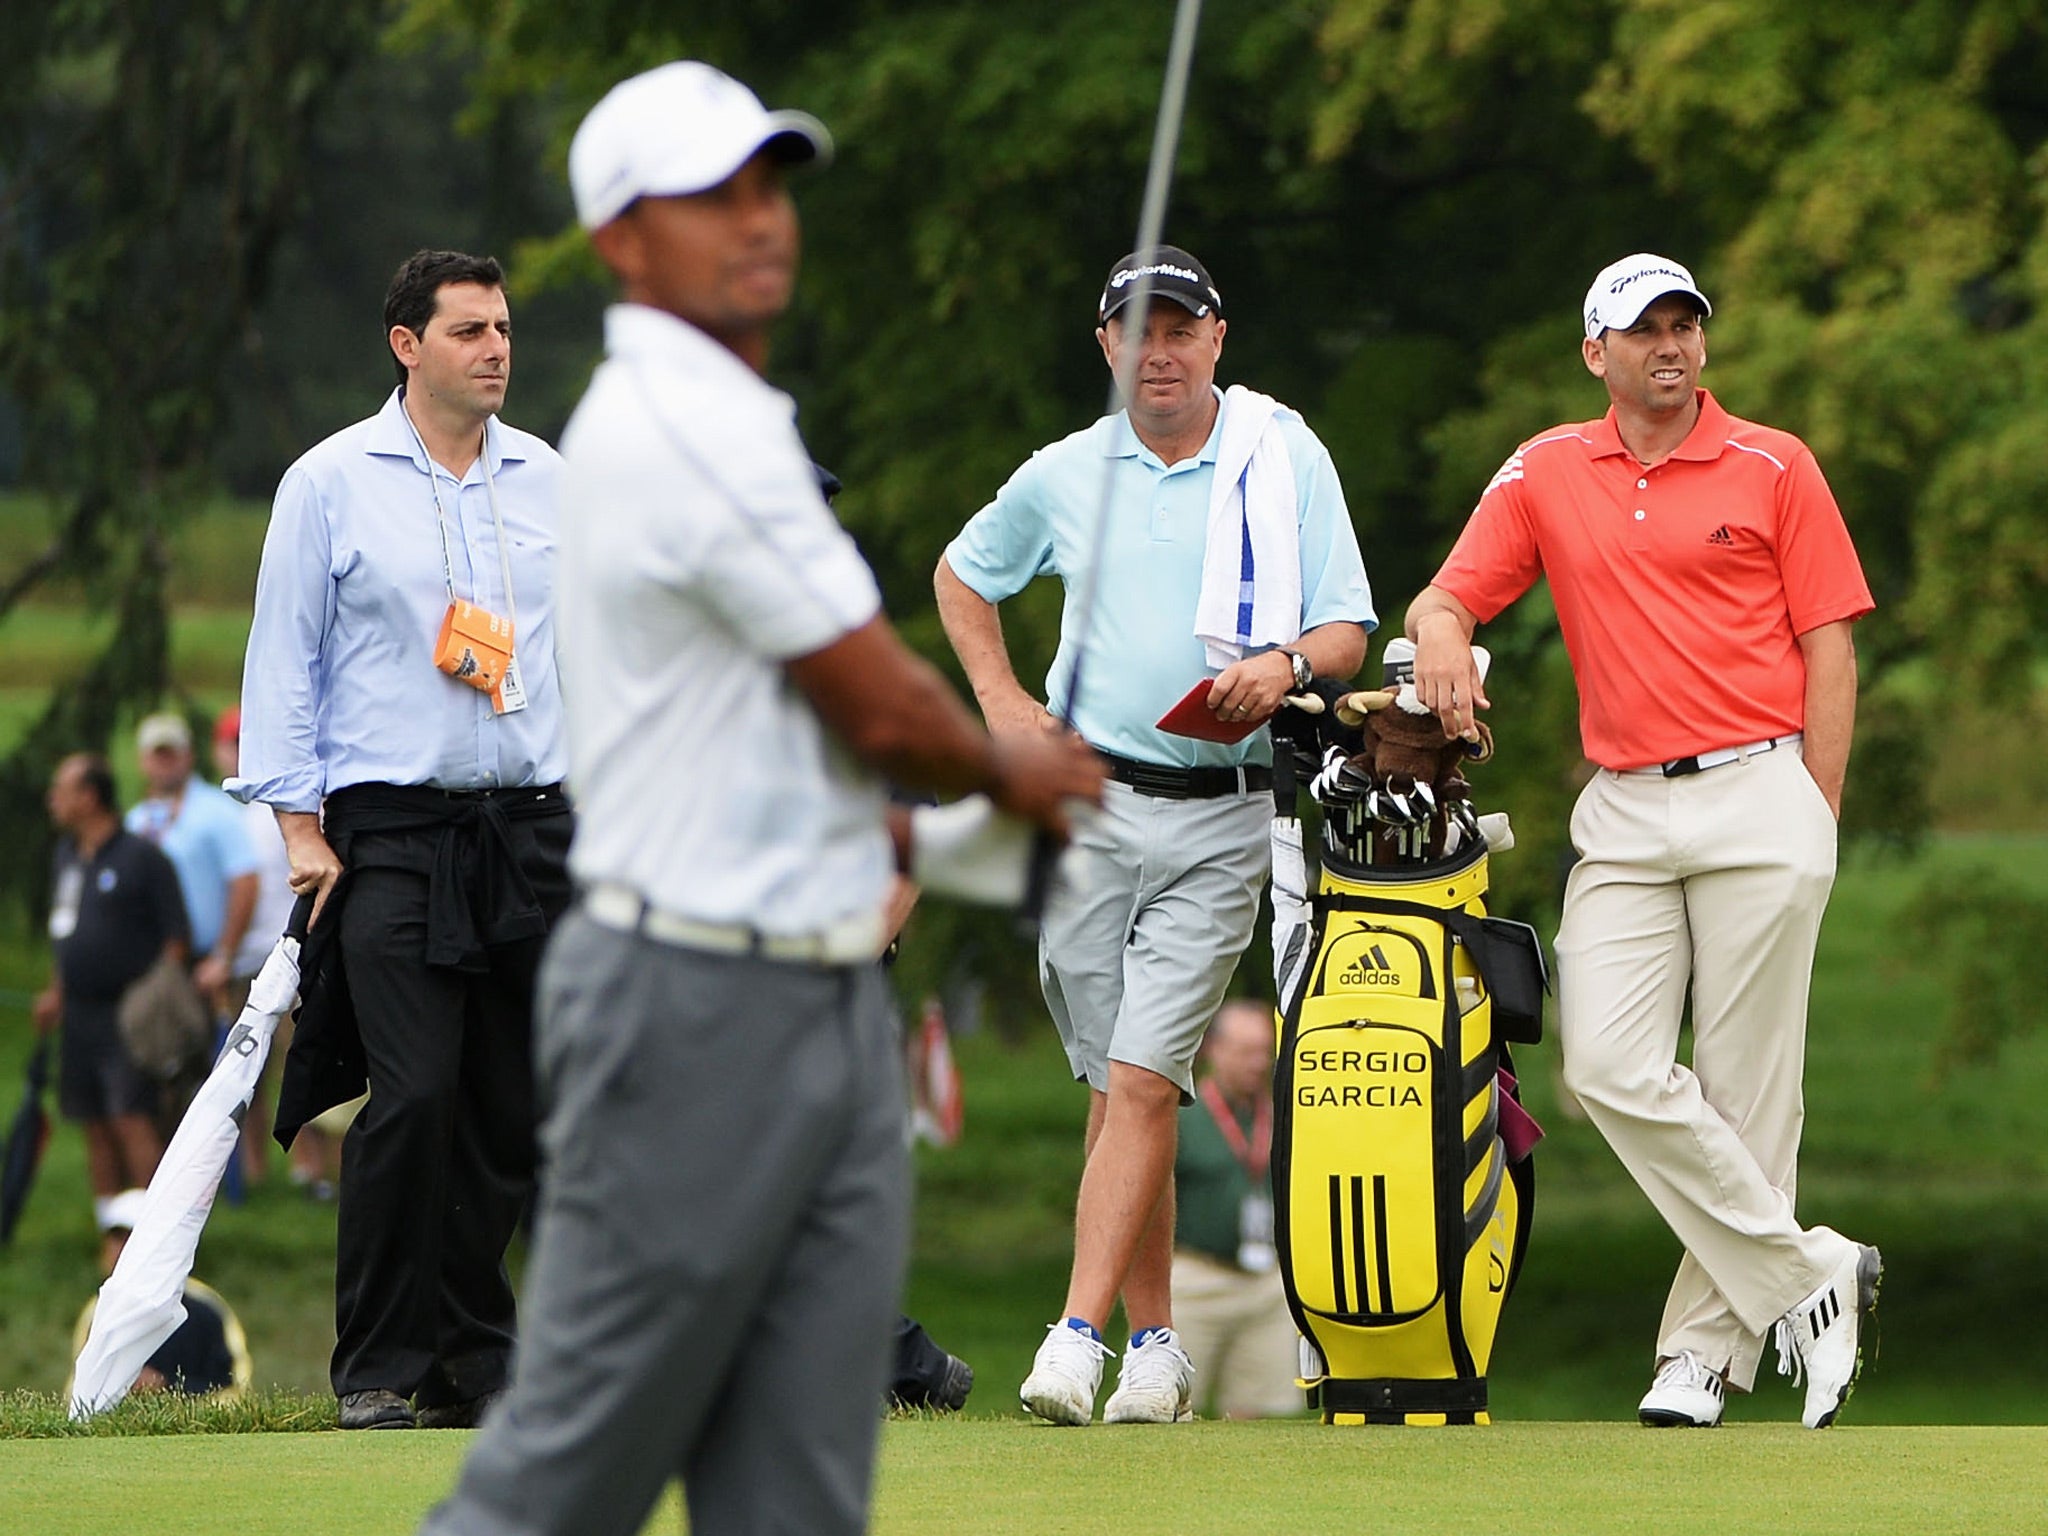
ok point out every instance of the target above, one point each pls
(1722, 537)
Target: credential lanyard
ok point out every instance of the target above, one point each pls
(441, 518)
(1253, 1155)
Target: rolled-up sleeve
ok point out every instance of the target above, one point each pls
(1498, 556)
(283, 675)
(1334, 588)
(1008, 542)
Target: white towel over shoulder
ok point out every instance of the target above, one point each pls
(1253, 495)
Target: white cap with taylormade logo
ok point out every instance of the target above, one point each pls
(679, 128)
(1626, 288)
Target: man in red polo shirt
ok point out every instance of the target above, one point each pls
(1705, 585)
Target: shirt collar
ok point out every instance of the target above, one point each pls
(1709, 434)
(641, 332)
(1121, 440)
(392, 437)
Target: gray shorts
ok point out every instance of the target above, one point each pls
(95, 1078)
(1135, 957)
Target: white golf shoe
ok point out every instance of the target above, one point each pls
(1065, 1375)
(1685, 1395)
(1822, 1337)
(1155, 1384)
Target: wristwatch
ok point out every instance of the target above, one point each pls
(1304, 674)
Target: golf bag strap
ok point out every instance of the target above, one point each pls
(1452, 918)
(1394, 1394)
(1470, 930)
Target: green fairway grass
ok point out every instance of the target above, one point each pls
(982, 1478)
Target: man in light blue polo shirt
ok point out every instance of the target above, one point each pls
(1228, 556)
(201, 830)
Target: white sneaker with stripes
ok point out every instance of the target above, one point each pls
(1822, 1337)
(1684, 1395)
(1065, 1375)
(1156, 1383)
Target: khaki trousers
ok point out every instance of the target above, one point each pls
(1715, 880)
(1236, 1327)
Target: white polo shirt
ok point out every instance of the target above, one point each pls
(697, 556)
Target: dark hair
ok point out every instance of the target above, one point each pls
(415, 291)
(96, 775)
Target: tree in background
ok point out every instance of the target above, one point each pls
(153, 158)
(989, 171)
(1402, 199)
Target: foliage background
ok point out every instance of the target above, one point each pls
(201, 203)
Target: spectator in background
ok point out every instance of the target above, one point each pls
(207, 1355)
(1228, 1303)
(114, 909)
(203, 833)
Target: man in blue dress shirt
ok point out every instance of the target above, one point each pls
(1229, 557)
(401, 715)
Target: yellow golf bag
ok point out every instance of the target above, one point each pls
(1401, 1215)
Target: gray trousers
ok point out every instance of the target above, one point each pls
(719, 1251)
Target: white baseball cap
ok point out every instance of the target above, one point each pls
(160, 731)
(679, 128)
(1624, 289)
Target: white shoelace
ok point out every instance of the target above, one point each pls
(1158, 1362)
(1791, 1358)
(1686, 1369)
(1087, 1342)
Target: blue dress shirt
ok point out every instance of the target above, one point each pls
(1142, 654)
(339, 685)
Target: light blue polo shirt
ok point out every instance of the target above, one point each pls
(208, 844)
(1142, 654)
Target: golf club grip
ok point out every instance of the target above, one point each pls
(1045, 853)
(302, 917)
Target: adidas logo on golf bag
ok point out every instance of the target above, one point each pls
(1370, 969)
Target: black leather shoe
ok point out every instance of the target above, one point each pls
(376, 1408)
(459, 1415)
(952, 1393)
(945, 1389)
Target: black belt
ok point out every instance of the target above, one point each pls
(1186, 783)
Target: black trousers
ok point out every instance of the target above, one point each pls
(440, 1163)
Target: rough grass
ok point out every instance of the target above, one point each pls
(43, 1415)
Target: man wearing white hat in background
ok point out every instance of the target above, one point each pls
(721, 1233)
(202, 831)
(1705, 585)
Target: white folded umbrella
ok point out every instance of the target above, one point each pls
(142, 1302)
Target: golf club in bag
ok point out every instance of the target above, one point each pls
(1403, 1186)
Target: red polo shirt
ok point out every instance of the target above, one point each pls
(1682, 590)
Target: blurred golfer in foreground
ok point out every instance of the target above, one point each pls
(722, 1230)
